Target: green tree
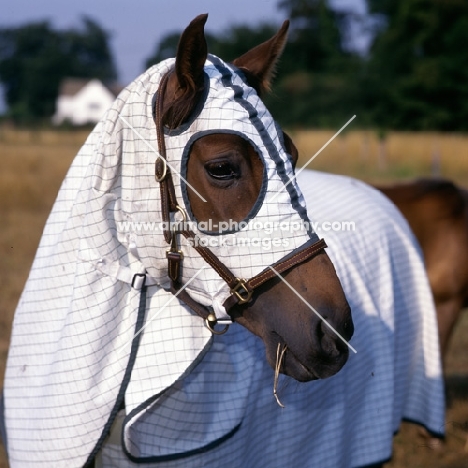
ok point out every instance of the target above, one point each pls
(317, 83)
(417, 75)
(88, 52)
(316, 34)
(35, 58)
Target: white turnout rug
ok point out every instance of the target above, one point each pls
(345, 421)
(195, 400)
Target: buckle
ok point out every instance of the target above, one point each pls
(174, 255)
(241, 292)
(211, 321)
(174, 247)
(164, 173)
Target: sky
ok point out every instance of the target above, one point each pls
(137, 26)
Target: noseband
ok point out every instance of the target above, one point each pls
(241, 289)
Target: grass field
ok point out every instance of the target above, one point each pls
(33, 164)
(397, 156)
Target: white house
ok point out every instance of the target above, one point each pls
(82, 101)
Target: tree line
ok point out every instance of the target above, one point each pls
(413, 76)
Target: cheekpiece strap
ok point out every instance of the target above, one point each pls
(243, 290)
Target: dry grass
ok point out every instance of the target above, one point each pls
(33, 164)
(398, 156)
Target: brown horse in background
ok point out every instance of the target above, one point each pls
(437, 212)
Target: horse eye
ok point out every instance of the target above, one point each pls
(222, 170)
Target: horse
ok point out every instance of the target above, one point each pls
(437, 212)
(159, 239)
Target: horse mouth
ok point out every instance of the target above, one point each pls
(291, 365)
(305, 374)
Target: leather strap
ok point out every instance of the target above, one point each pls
(281, 266)
(162, 171)
(203, 311)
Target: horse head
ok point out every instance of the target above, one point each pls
(235, 158)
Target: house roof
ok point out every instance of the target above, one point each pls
(71, 86)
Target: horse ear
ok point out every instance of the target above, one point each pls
(259, 63)
(186, 84)
(191, 55)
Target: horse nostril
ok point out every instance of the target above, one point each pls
(328, 340)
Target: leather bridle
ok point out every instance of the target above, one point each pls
(241, 289)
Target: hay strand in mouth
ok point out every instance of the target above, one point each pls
(279, 360)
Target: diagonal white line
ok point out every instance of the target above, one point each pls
(311, 308)
(158, 155)
(313, 157)
(162, 308)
